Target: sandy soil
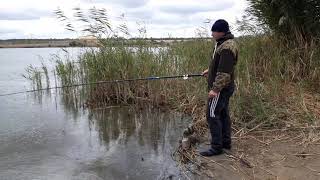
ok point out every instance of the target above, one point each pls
(267, 155)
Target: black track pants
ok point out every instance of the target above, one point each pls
(219, 119)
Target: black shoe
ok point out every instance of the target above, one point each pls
(228, 147)
(211, 152)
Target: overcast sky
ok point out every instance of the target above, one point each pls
(162, 18)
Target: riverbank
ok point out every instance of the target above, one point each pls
(273, 154)
(274, 89)
(90, 42)
(46, 43)
(35, 46)
(282, 152)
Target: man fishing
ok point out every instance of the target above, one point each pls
(221, 87)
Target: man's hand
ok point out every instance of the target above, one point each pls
(205, 73)
(212, 94)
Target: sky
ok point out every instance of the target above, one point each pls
(161, 18)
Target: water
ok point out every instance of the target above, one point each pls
(46, 139)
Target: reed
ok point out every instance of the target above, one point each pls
(275, 81)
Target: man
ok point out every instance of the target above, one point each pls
(220, 86)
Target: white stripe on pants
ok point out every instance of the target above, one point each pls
(214, 102)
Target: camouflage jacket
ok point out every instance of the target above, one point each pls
(221, 69)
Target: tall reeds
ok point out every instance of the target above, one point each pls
(275, 88)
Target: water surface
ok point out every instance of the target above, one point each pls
(45, 138)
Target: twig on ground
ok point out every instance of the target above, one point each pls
(303, 154)
(265, 143)
(213, 161)
(240, 159)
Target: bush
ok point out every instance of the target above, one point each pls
(290, 18)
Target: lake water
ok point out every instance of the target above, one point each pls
(46, 139)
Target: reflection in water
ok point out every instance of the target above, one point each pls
(143, 141)
(149, 127)
(137, 144)
(128, 143)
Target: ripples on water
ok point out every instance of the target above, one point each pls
(45, 137)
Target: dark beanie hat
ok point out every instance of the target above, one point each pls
(220, 25)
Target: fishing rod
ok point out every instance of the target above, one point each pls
(107, 82)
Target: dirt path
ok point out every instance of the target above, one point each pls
(280, 156)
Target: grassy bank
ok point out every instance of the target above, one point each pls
(277, 84)
(276, 87)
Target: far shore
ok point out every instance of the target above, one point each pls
(39, 46)
(62, 43)
(47, 43)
